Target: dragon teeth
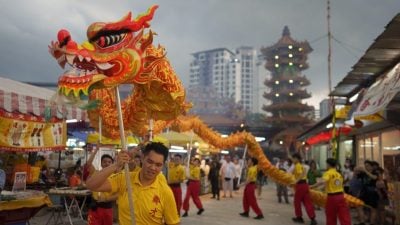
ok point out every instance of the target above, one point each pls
(104, 66)
(80, 58)
(70, 59)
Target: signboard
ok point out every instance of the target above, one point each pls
(19, 181)
(378, 96)
(23, 132)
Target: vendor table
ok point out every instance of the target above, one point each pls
(69, 199)
(22, 209)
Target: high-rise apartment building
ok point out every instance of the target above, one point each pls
(232, 74)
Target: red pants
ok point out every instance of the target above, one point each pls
(178, 196)
(302, 195)
(336, 207)
(249, 199)
(193, 190)
(100, 216)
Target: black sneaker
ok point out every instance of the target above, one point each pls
(185, 214)
(259, 217)
(200, 211)
(313, 222)
(244, 214)
(298, 220)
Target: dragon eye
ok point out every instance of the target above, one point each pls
(110, 40)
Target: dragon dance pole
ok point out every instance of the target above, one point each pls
(190, 150)
(123, 148)
(100, 136)
(242, 166)
(151, 130)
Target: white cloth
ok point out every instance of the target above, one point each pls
(228, 170)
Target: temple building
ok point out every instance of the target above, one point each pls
(286, 60)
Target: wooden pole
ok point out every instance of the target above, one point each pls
(151, 130)
(123, 148)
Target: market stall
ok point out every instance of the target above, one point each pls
(30, 123)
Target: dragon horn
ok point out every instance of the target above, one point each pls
(133, 25)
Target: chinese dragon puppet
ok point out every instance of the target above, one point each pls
(122, 53)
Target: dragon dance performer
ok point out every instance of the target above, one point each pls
(176, 175)
(249, 196)
(101, 209)
(336, 206)
(302, 192)
(153, 200)
(193, 188)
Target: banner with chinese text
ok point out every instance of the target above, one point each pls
(25, 133)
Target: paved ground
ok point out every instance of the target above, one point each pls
(226, 211)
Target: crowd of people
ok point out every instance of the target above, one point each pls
(368, 182)
(159, 197)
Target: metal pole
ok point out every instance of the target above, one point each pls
(190, 150)
(123, 148)
(329, 46)
(242, 166)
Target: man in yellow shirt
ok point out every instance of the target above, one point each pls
(176, 175)
(302, 192)
(193, 188)
(249, 196)
(153, 200)
(336, 206)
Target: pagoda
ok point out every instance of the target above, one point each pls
(286, 60)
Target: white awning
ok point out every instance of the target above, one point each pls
(28, 99)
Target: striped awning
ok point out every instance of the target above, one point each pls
(28, 99)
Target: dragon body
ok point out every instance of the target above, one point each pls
(122, 53)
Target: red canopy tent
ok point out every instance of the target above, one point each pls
(326, 136)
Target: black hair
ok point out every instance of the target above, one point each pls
(331, 162)
(106, 156)
(157, 147)
(196, 159)
(178, 156)
(254, 160)
(297, 156)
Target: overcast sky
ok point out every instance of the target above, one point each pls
(188, 26)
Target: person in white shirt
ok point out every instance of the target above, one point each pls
(237, 173)
(228, 172)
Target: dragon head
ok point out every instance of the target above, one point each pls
(112, 55)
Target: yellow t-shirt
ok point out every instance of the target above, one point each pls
(298, 172)
(194, 172)
(334, 181)
(153, 204)
(137, 169)
(101, 196)
(252, 174)
(176, 173)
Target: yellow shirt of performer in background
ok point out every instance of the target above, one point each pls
(334, 181)
(194, 172)
(298, 172)
(252, 174)
(102, 196)
(176, 173)
(150, 202)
